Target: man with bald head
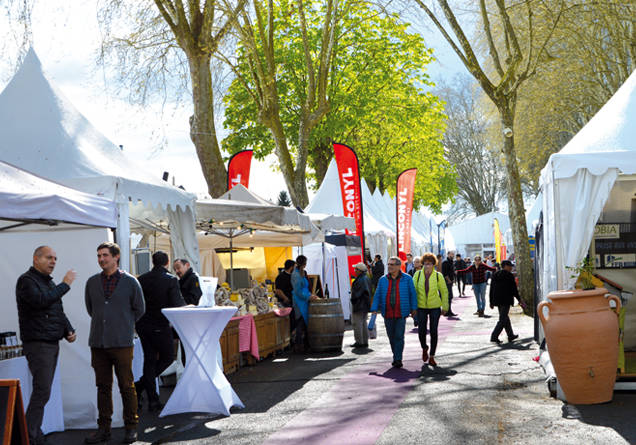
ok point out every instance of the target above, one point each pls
(42, 325)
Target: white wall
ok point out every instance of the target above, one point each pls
(76, 248)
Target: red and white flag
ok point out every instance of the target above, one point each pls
(404, 210)
(238, 169)
(349, 175)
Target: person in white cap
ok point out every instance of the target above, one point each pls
(360, 302)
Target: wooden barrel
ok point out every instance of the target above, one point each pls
(326, 325)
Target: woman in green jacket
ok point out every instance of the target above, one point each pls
(432, 302)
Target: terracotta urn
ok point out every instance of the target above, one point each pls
(581, 330)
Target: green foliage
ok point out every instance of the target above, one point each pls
(377, 95)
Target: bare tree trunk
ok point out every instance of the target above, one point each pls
(516, 211)
(202, 130)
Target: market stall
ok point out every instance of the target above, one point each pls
(43, 133)
(588, 205)
(35, 212)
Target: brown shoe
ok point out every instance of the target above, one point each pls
(481, 313)
(431, 361)
(100, 436)
(425, 354)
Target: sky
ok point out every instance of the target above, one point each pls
(67, 39)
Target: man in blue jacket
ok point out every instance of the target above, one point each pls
(396, 299)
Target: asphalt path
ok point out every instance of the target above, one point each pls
(479, 393)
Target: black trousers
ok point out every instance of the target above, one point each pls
(423, 315)
(449, 286)
(503, 323)
(42, 359)
(461, 283)
(158, 355)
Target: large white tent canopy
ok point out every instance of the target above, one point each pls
(43, 133)
(577, 181)
(26, 197)
(476, 231)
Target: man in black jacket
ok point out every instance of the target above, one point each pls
(503, 291)
(42, 325)
(360, 302)
(448, 270)
(460, 264)
(161, 290)
(377, 271)
(188, 282)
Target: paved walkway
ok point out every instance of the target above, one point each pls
(479, 393)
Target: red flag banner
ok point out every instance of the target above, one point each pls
(349, 175)
(238, 169)
(404, 210)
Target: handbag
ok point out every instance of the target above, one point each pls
(373, 329)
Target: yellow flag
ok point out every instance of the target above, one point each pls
(497, 241)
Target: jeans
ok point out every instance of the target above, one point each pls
(503, 323)
(480, 295)
(103, 361)
(422, 316)
(158, 349)
(395, 332)
(42, 359)
(360, 329)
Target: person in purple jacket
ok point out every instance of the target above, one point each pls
(396, 299)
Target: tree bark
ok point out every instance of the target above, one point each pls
(202, 130)
(516, 210)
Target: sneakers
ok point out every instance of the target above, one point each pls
(425, 354)
(513, 338)
(496, 340)
(99, 436)
(476, 313)
(397, 363)
(451, 314)
(480, 314)
(431, 361)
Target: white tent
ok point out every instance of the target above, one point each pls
(577, 181)
(43, 133)
(378, 238)
(35, 212)
(27, 198)
(330, 262)
(475, 235)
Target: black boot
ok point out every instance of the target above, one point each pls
(100, 436)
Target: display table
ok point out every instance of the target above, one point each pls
(203, 386)
(18, 368)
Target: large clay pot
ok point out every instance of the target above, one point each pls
(581, 330)
(325, 329)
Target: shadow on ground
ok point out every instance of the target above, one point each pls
(274, 380)
(619, 414)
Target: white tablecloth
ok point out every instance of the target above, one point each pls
(18, 368)
(203, 386)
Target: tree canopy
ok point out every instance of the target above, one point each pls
(378, 102)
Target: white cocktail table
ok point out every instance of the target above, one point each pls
(203, 386)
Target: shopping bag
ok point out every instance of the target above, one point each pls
(373, 329)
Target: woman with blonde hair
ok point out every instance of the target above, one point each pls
(432, 302)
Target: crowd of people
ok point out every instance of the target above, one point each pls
(422, 288)
(120, 305)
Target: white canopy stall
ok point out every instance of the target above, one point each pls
(35, 212)
(476, 236)
(44, 133)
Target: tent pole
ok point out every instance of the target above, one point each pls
(231, 261)
(324, 277)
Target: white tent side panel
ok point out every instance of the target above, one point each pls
(76, 249)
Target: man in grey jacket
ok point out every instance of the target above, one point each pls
(115, 301)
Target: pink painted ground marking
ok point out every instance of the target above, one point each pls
(358, 408)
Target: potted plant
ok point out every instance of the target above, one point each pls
(584, 271)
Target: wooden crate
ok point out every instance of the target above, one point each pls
(230, 347)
